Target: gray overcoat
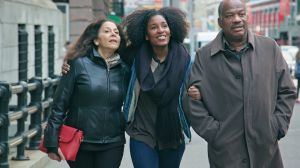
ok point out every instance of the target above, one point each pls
(246, 104)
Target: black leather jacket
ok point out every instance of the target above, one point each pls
(92, 95)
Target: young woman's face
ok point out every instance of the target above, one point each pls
(108, 36)
(158, 32)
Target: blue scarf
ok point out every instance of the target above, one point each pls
(165, 91)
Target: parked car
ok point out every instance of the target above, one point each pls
(289, 54)
(205, 37)
(202, 39)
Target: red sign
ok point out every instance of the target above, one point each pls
(284, 9)
(250, 16)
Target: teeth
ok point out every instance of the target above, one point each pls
(162, 37)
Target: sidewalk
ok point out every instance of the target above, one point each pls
(37, 160)
(194, 156)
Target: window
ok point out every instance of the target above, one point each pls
(23, 52)
(298, 7)
(51, 41)
(38, 51)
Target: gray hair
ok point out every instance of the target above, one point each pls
(220, 9)
(221, 5)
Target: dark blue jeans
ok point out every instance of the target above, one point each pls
(143, 156)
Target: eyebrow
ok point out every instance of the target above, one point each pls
(163, 22)
(111, 28)
(235, 11)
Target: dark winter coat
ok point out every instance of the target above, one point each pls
(246, 104)
(93, 95)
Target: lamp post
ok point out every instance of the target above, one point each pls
(166, 3)
(175, 3)
(192, 33)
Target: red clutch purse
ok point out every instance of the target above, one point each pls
(69, 141)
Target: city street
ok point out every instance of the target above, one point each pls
(195, 154)
(38, 36)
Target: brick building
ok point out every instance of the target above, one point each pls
(276, 19)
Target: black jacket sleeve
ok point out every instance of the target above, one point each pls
(61, 103)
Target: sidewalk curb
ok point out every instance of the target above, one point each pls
(37, 160)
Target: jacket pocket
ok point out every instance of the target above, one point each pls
(216, 141)
(274, 126)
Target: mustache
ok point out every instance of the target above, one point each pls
(237, 26)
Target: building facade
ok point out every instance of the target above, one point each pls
(80, 13)
(84, 12)
(31, 40)
(275, 19)
(212, 15)
(297, 41)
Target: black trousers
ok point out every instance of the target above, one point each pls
(110, 158)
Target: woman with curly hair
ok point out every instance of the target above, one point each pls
(159, 63)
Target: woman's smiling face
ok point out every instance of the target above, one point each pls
(158, 31)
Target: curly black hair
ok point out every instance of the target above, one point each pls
(135, 24)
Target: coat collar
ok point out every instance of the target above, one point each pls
(98, 59)
(218, 44)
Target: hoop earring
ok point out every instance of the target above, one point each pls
(96, 43)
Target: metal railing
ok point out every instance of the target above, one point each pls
(41, 92)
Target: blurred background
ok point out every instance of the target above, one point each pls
(33, 32)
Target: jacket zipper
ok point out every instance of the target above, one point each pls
(108, 85)
(108, 93)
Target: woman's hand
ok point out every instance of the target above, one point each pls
(65, 68)
(58, 157)
(194, 93)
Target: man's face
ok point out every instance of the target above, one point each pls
(233, 20)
